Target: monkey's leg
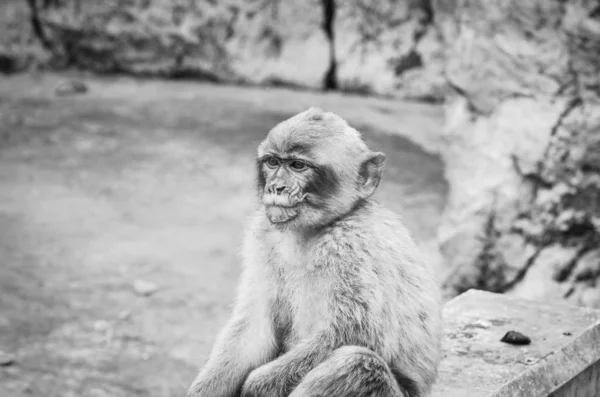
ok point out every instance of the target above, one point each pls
(351, 371)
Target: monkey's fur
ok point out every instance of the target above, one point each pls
(334, 300)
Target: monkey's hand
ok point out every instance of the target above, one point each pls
(264, 381)
(279, 377)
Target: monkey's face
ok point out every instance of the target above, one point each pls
(284, 179)
(313, 168)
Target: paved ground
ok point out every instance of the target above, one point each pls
(150, 181)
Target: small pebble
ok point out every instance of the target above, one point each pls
(101, 326)
(70, 87)
(6, 359)
(482, 324)
(144, 288)
(515, 338)
(461, 351)
(125, 315)
(529, 361)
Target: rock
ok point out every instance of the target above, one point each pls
(376, 54)
(70, 87)
(558, 259)
(541, 282)
(515, 338)
(482, 324)
(517, 146)
(496, 369)
(101, 326)
(279, 57)
(125, 315)
(144, 288)
(268, 43)
(515, 252)
(6, 359)
(588, 266)
(590, 297)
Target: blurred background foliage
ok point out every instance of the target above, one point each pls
(385, 47)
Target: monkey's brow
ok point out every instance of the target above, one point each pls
(286, 157)
(299, 148)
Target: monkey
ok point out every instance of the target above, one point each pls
(333, 299)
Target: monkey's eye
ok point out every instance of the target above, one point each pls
(272, 162)
(298, 165)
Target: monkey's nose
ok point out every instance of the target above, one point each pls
(279, 189)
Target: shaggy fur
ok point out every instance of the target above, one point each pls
(334, 299)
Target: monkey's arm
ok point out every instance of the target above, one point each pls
(279, 377)
(245, 343)
(345, 322)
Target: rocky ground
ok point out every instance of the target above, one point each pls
(121, 212)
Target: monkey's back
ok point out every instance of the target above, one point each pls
(368, 257)
(406, 309)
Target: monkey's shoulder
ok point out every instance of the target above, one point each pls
(372, 233)
(372, 224)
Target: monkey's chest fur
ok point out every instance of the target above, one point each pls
(298, 292)
(294, 320)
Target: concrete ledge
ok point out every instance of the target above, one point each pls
(563, 359)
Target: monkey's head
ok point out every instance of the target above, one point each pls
(314, 168)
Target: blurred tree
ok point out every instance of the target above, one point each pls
(523, 147)
(54, 3)
(330, 81)
(259, 22)
(36, 24)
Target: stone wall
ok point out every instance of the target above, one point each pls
(560, 357)
(522, 147)
(383, 48)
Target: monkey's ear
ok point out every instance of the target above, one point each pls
(315, 113)
(370, 172)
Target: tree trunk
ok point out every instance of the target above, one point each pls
(36, 24)
(523, 147)
(330, 80)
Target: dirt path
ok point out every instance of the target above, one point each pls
(147, 181)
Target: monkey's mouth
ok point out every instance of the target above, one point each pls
(282, 208)
(279, 214)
